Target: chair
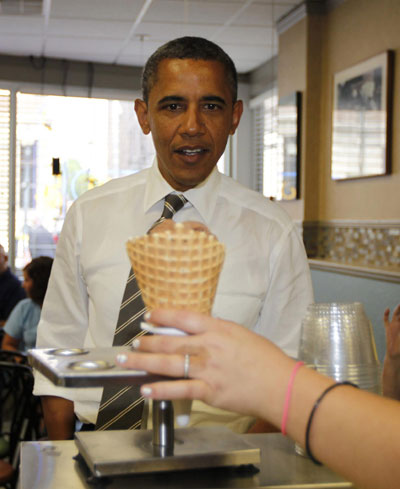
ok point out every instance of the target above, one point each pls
(18, 416)
(12, 356)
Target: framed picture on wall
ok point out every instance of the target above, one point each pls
(362, 117)
(288, 147)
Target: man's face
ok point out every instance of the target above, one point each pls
(190, 114)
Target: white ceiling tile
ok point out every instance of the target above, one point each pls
(169, 31)
(20, 25)
(97, 30)
(96, 9)
(89, 28)
(106, 46)
(265, 14)
(240, 51)
(247, 35)
(198, 11)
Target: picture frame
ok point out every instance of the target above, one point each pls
(362, 119)
(288, 147)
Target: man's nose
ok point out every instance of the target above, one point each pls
(192, 123)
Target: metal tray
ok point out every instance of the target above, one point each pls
(89, 367)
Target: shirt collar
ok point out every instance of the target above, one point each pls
(203, 197)
(156, 187)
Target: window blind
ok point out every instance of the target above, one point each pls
(265, 138)
(4, 164)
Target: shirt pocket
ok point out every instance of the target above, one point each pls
(241, 308)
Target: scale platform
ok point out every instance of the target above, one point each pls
(87, 367)
(122, 452)
(129, 452)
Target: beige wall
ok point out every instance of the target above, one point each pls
(310, 53)
(292, 78)
(356, 31)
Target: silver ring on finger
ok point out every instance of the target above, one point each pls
(186, 366)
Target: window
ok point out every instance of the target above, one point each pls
(265, 143)
(93, 140)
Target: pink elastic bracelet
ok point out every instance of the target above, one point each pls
(288, 396)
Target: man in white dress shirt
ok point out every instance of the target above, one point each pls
(190, 107)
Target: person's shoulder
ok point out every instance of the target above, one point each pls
(14, 282)
(255, 202)
(25, 305)
(20, 310)
(11, 277)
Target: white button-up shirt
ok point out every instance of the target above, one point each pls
(264, 285)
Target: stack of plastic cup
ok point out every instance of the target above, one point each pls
(337, 340)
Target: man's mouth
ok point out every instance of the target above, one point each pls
(191, 151)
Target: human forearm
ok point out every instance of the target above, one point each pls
(9, 343)
(391, 378)
(391, 365)
(59, 417)
(353, 432)
(261, 426)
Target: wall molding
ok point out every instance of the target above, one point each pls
(369, 246)
(307, 7)
(290, 19)
(363, 272)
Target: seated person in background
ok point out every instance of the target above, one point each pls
(391, 364)
(225, 362)
(11, 290)
(20, 328)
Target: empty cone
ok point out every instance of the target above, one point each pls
(177, 268)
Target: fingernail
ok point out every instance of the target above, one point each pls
(146, 316)
(122, 358)
(182, 419)
(135, 343)
(146, 391)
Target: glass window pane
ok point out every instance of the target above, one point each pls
(90, 140)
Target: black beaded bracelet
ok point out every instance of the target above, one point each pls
(310, 419)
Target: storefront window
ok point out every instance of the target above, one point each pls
(64, 147)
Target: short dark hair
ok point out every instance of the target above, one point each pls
(39, 271)
(187, 48)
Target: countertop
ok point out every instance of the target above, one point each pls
(50, 465)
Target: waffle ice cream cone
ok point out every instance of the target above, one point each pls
(178, 268)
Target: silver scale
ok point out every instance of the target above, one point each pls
(122, 452)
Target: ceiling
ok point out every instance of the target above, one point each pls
(126, 32)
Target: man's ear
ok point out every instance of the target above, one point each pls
(236, 115)
(141, 114)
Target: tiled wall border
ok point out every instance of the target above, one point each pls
(371, 247)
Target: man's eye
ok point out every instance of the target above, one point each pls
(211, 107)
(172, 107)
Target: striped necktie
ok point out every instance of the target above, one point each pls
(121, 408)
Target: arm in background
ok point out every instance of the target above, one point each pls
(391, 364)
